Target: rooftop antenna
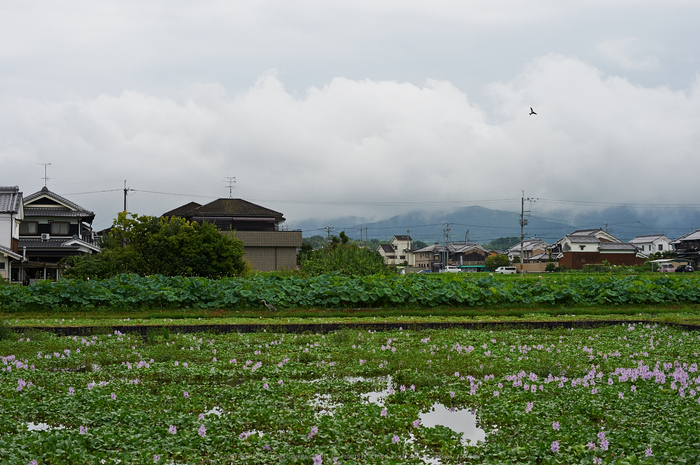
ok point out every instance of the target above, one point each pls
(46, 177)
(231, 180)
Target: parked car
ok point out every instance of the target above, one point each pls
(425, 271)
(666, 268)
(506, 270)
(451, 269)
(684, 269)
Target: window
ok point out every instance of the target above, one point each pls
(28, 228)
(59, 228)
(2, 265)
(661, 247)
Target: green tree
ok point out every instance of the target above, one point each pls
(494, 261)
(342, 256)
(167, 246)
(502, 243)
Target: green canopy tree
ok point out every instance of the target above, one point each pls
(172, 246)
(494, 261)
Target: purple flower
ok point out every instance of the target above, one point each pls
(113, 396)
(265, 386)
(620, 395)
(314, 430)
(495, 393)
(172, 429)
(555, 425)
(266, 447)
(528, 409)
(555, 446)
(201, 416)
(604, 444)
(71, 391)
(416, 423)
(33, 462)
(318, 460)
(452, 394)
(395, 439)
(83, 429)
(202, 431)
(186, 394)
(648, 452)
(156, 457)
(383, 412)
(601, 435)
(591, 445)
(597, 460)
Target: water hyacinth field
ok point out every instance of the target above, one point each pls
(617, 394)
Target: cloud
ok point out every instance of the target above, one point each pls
(361, 147)
(630, 53)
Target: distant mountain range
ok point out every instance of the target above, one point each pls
(482, 225)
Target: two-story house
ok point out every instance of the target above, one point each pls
(688, 247)
(266, 246)
(53, 228)
(530, 248)
(397, 251)
(590, 246)
(11, 215)
(652, 243)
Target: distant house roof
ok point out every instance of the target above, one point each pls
(47, 203)
(10, 199)
(580, 238)
(180, 211)
(387, 248)
(402, 238)
(691, 236)
(617, 246)
(529, 244)
(231, 208)
(647, 238)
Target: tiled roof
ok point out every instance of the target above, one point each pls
(580, 238)
(692, 236)
(387, 248)
(10, 253)
(69, 206)
(617, 246)
(646, 238)
(233, 207)
(10, 199)
(180, 211)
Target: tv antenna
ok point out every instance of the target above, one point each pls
(231, 180)
(46, 177)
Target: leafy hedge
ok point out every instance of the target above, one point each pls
(336, 291)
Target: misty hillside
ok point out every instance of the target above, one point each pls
(482, 225)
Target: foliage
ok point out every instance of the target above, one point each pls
(619, 394)
(462, 290)
(494, 261)
(550, 267)
(173, 246)
(502, 243)
(345, 258)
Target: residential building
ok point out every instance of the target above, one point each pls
(11, 215)
(589, 246)
(267, 247)
(688, 247)
(53, 228)
(468, 256)
(652, 243)
(530, 248)
(397, 251)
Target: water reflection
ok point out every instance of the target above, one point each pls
(459, 421)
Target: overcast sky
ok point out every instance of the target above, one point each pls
(323, 108)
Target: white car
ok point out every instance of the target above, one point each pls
(506, 270)
(451, 269)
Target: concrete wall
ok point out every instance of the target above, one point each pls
(270, 250)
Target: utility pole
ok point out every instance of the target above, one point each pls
(126, 191)
(328, 229)
(45, 178)
(466, 237)
(447, 230)
(523, 221)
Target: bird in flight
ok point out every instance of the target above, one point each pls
(532, 112)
